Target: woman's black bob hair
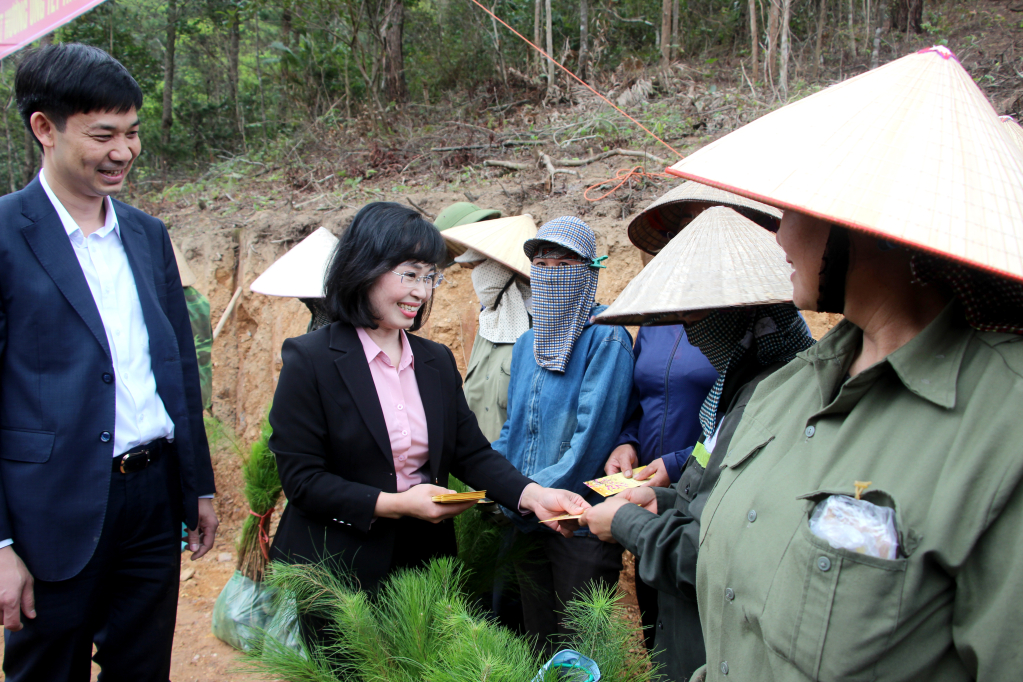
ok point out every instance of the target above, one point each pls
(382, 235)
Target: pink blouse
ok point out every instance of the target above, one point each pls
(403, 410)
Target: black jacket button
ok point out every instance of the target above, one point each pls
(104, 437)
(108, 378)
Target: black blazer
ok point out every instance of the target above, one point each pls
(334, 455)
(56, 387)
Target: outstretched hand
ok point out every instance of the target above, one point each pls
(654, 475)
(623, 458)
(599, 518)
(548, 503)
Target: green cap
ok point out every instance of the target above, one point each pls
(463, 213)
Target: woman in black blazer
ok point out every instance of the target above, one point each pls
(345, 483)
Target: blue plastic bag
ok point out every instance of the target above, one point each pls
(573, 666)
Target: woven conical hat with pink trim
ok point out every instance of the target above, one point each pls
(912, 151)
(720, 260)
(1014, 129)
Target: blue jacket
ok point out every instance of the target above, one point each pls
(670, 382)
(561, 428)
(56, 398)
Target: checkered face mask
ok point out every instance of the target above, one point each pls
(562, 299)
(726, 335)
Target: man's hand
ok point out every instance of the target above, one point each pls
(418, 503)
(16, 595)
(201, 539)
(547, 503)
(622, 459)
(655, 475)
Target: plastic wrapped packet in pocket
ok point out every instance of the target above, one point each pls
(856, 525)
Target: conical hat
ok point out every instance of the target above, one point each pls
(911, 151)
(1014, 129)
(300, 272)
(652, 229)
(721, 259)
(188, 277)
(499, 239)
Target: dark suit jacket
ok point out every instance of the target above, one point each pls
(55, 401)
(334, 455)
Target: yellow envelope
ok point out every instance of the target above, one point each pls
(615, 483)
(563, 517)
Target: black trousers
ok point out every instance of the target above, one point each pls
(555, 571)
(125, 599)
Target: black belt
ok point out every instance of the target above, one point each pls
(140, 457)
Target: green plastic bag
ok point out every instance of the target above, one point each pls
(243, 610)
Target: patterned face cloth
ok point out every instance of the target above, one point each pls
(990, 303)
(504, 318)
(727, 334)
(562, 295)
(562, 299)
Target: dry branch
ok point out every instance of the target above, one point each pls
(513, 165)
(613, 152)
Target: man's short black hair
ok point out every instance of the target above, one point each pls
(71, 78)
(382, 236)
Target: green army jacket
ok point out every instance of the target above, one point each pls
(486, 384)
(937, 428)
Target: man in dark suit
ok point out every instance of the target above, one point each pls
(102, 446)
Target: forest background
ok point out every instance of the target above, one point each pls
(268, 80)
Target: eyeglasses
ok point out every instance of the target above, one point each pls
(411, 279)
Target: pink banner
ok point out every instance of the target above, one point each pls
(23, 21)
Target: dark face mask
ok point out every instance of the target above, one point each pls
(718, 335)
(834, 271)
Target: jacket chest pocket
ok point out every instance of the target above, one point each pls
(831, 612)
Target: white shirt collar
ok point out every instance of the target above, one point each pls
(70, 226)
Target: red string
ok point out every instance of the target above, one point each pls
(623, 176)
(264, 531)
(587, 85)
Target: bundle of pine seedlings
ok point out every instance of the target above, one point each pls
(421, 626)
(262, 490)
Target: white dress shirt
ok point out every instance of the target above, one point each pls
(139, 413)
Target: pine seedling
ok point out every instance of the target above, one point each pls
(262, 490)
(601, 631)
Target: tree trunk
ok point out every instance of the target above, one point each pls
(773, 29)
(783, 71)
(906, 15)
(754, 36)
(167, 120)
(233, 40)
(286, 19)
(497, 45)
(852, 34)
(676, 46)
(868, 30)
(584, 38)
(395, 86)
(822, 13)
(665, 31)
(550, 45)
(537, 34)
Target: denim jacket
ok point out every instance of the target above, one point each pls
(561, 428)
